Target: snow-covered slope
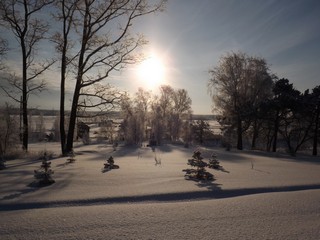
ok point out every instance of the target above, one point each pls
(258, 196)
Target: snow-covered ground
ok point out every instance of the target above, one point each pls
(258, 196)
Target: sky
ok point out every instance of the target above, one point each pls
(190, 36)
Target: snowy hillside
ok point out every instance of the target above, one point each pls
(258, 193)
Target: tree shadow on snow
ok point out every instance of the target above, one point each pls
(31, 187)
(235, 155)
(126, 150)
(215, 193)
(210, 185)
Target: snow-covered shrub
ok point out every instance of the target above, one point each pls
(214, 162)
(71, 157)
(109, 164)
(198, 172)
(43, 174)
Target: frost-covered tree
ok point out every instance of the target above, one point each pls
(181, 112)
(168, 112)
(237, 85)
(131, 126)
(163, 115)
(200, 130)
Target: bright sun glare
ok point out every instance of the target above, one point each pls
(151, 72)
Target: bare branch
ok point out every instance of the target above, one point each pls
(40, 69)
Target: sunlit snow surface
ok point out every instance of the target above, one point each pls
(259, 196)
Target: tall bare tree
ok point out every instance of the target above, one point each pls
(135, 116)
(238, 84)
(131, 126)
(167, 113)
(142, 104)
(66, 16)
(21, 17)
(104, 44)
(181, 111)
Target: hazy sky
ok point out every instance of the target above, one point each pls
(191, 35)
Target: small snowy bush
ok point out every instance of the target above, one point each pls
(109, 164)
(214, 162)
(71, 157)
(198, 172)
(43, 174)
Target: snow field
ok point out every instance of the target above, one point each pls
(261, 196)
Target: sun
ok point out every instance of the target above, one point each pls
(151, 72)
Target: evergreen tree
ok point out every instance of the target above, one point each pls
(109, 164)
(198, 171)
(214, 162)
(45, 172)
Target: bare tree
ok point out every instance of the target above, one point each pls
(130, 127)
(142, 102)
(165, 103)
(105, 45)
(236, 85)
(135, 114)
(21, 17)
(181, 111)
(63, 42)
(157, 120)
(98, 97)
(168, 111)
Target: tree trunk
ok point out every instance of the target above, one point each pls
(73, 117)
(275, 135)
(76, 94)
(315, 135)
(25, 125)
(239, 133)
(254, 135)
(269, 141)
(62, 130)
(25, 135)
(62, 96)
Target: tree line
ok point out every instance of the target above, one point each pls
(255, 104)
(165, 116)
(94, 38)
